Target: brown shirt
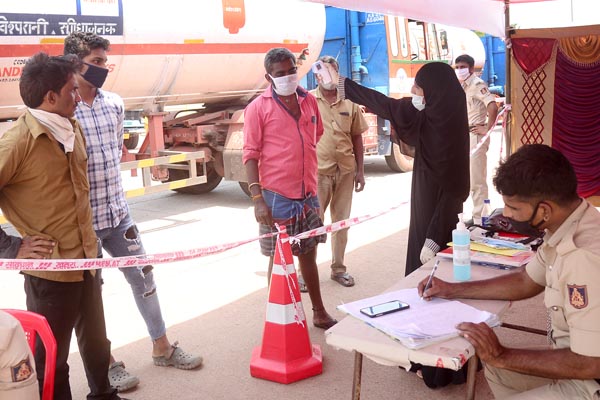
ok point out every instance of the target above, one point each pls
(341, 120)
(45, 192)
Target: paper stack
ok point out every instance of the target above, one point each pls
(495, 252)
(424, 323)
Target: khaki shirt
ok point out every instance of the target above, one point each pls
(341, 120)
(45, 192)
(18, 380)
(478, 98)
(568, 265)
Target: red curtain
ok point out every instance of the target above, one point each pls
(576, 120)
(532, 53)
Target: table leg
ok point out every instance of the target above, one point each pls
(358, 358)
(471, 376)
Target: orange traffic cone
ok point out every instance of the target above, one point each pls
(286, 354)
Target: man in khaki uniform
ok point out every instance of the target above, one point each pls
(44, 193)
(539, 188)
(482, 111)
(18, 379)
(340, 157)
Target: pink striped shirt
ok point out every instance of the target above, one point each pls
(286, 148)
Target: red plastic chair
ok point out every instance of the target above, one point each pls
(33, 323)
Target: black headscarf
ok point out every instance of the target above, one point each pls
(440, 133)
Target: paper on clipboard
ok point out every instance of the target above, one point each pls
(424, 323)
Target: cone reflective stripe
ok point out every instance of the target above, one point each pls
(286, 354)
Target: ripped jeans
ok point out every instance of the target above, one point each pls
(124, 240)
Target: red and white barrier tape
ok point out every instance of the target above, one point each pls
(299, 316)
(485, 137)
(162, 258)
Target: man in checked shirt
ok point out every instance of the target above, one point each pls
(101, 115)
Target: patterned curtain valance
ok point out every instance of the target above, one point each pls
(532, 53)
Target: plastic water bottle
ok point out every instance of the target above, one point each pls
(461, 251)
(485, 213)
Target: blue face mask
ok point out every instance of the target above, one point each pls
(95, 75)
(417, 101)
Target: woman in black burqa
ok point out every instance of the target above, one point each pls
(439, 134)
(440, 137)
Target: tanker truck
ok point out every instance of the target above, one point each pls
(205, 55)
(191, 69)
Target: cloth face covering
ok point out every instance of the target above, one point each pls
(95, 75)
(417, 101)
(462, 74)
(59, 126)
(328, 86)
(285, 85)
(526, 226)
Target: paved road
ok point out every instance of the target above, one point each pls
(196, 291)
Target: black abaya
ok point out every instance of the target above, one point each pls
(440, 135)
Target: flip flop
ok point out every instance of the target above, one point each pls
(326, 325)
(344, 279)
(302, 285)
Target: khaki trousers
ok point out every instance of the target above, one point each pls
(511, 385)
(479, 187)
(335, 191)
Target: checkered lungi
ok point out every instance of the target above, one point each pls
(298, 216)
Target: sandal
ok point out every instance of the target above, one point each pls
(178, 359)
(120, 379)
(326, 325)
(302, 285)
(344, 279)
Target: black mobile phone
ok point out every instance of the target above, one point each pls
(384, 308)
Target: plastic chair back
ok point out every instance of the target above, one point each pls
(33, 324)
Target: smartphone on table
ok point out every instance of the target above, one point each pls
(384, 308)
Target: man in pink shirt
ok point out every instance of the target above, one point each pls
(281, 131)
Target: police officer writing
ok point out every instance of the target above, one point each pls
(539, 187)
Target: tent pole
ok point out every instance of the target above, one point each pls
(507, 95)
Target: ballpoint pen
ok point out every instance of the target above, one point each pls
(435, 266)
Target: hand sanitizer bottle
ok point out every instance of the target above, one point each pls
(461, 251)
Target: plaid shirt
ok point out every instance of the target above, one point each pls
(102, 125)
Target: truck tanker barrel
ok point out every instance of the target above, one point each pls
(205, 56)
(163, 53)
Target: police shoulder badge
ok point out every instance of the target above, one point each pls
(22, 371)
(578, 296)
(484, 90)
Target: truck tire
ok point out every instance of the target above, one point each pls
(213, 180)
(397, 161)
(132, 142)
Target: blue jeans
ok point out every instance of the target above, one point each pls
(122, 241)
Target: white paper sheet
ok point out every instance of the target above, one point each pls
(425, 322)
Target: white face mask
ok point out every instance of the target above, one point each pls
(462, 74)
(417, 101)
(285, 85)
(328, 86)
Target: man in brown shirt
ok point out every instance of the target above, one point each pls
(44, 193)
(340, 155)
